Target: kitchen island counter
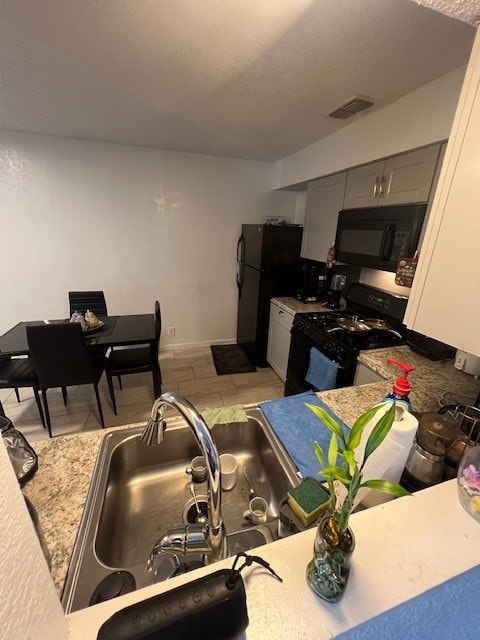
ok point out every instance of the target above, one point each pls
(403, 548)
(60, 486)
(381, 578)
(59, 489)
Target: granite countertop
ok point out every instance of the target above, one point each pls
(293, 306)
(429, 380)
(59, 488)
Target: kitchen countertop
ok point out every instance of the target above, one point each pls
(59, 489)
(293, 306)
(429, 380)
(60, 486)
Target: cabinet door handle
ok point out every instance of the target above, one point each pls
(380, 188)
(375, 187)
(281, 313)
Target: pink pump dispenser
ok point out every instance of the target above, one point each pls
(401, 387)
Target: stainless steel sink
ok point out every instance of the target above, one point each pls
(138, 492)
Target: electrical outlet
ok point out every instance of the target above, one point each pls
(171, 331)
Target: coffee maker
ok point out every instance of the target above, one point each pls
(311, 280)
(337, 286)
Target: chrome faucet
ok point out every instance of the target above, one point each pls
(208, 539)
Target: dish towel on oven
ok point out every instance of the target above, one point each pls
(297, 429)
(322, 372)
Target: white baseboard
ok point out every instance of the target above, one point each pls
(195, 345)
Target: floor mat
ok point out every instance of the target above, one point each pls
(230, 358)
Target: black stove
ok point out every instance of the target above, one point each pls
(367, 307)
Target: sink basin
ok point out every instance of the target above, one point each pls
(138, 492)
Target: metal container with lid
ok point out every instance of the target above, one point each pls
(467, 419)
(424, 466)
(425, 463)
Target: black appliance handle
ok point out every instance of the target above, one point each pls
(241, 247)
(239, 278)
(387, 242)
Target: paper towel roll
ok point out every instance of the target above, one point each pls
(388, 461)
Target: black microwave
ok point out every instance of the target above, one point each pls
(379, 237)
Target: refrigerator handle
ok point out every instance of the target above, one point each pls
(239, 278)
(240, 247)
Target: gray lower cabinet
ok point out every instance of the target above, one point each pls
(365, 375)
(279, 339)
(401, 179)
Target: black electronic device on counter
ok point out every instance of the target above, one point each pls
(213, 606)
(207, 607)
(429, 347)
(311, 280)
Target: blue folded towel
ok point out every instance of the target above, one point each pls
(449, 610)
(297, 428)
(322, 372)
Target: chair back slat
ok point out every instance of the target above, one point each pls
(60, 355)
(158, 323)
(83, 301)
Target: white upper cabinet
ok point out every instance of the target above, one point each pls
(363, 185)
(445, 301)
(402, 179)
(408, 177)
(324, 201)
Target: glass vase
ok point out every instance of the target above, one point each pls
(468, 482)
(327, 572)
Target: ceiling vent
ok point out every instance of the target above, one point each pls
(350, 108)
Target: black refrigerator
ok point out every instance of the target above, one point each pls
(266, 259)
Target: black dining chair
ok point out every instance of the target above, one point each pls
(62, 359)
(4, 360)
(83, 301)
(16, 373)
(121, 362)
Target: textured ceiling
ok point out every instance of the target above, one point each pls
(243, 78)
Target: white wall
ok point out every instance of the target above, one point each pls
(420, 118)
(30, 607)
(139, 223)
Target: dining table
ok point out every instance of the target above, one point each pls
(115, 331)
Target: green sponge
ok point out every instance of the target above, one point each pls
(308, 500)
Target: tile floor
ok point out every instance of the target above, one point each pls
(190, 373)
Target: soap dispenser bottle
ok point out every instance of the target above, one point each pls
(401, 387)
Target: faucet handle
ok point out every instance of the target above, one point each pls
(188, 539)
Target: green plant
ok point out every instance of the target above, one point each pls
(349, 471)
